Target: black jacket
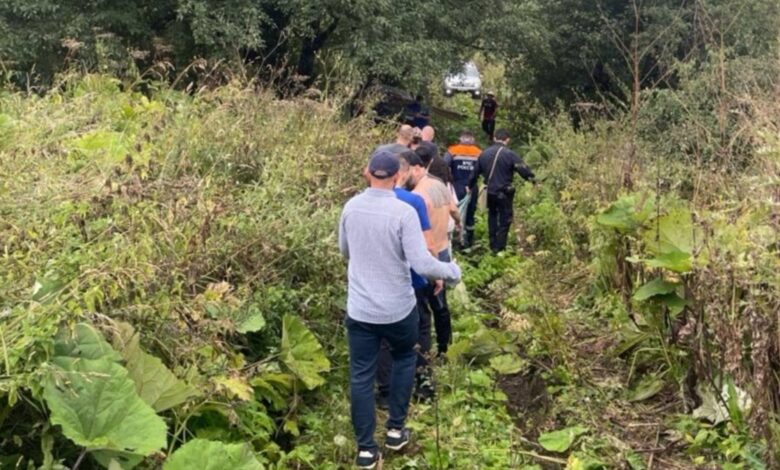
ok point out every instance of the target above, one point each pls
(508, 163)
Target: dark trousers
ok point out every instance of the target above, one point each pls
(364, 339)
(500, 215)
(385, 367)
(489, 126)
(441, 312)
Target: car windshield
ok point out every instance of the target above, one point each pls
(470, 70)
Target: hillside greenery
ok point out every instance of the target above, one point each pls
(171, 293)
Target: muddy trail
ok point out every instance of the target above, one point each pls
(578, 373)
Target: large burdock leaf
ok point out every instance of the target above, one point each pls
(674, 302)
(302, 353)
(654, 288)
(203, 454)
(671, 239)
(95, 402)
(627, 213)
(676, 261)
(562, 440)
(84, 342)
(507, 364)
(155, 384)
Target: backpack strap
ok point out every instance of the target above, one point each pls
(498, 154)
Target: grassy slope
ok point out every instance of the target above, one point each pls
(138, 210)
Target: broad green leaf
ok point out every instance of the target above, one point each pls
(481, 345)
(670, 241)
(202, 454)
(274, 387)
(584, 462)
(234, 386)
(47, 288)
(302, 353)
(254, 322)
(507, 364)
(675, 303)
(95, 403)
(561, 440)
(102, 143)
(626, 214)
(676, 261)
(653, 288)
(648, 387)
(155, 384)
(84, 342)
(672, 232)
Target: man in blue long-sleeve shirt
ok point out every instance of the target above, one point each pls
(382, 238)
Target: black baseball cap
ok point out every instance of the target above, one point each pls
(383, 164)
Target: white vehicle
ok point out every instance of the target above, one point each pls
(465, 81)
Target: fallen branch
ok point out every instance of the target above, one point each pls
(542, 457)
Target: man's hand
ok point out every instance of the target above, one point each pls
(439, 287)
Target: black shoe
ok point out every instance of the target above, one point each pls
(383, 402)
(368, 459)
(424, 392)
(397, 438)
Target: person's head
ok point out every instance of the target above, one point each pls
(439, 169)
(490, 94)
(501, 135)
(418, 98)
(416, 137)
(415, 172)
(426, 154)
(383, 169)
(405, 135)
(466, 137)
(428, 134)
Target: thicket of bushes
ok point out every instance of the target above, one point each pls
(167, 256)
(175, 248)
(658, 242)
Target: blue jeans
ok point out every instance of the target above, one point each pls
(384, 369)
(364, 339)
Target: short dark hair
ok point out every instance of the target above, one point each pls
(501, 134)
(411, 158)
(440, 170)
(425, 153)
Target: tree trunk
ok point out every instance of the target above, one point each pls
(309, 49)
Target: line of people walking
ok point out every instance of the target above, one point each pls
(396, 236)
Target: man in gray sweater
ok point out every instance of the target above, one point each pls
(382, 238)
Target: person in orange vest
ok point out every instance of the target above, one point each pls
(462, 160)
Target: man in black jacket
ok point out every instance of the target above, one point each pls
(497, 164)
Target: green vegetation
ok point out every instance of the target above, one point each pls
(159, 258)
(171, 295)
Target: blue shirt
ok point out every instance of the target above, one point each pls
(381, 237)
(418, 203)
